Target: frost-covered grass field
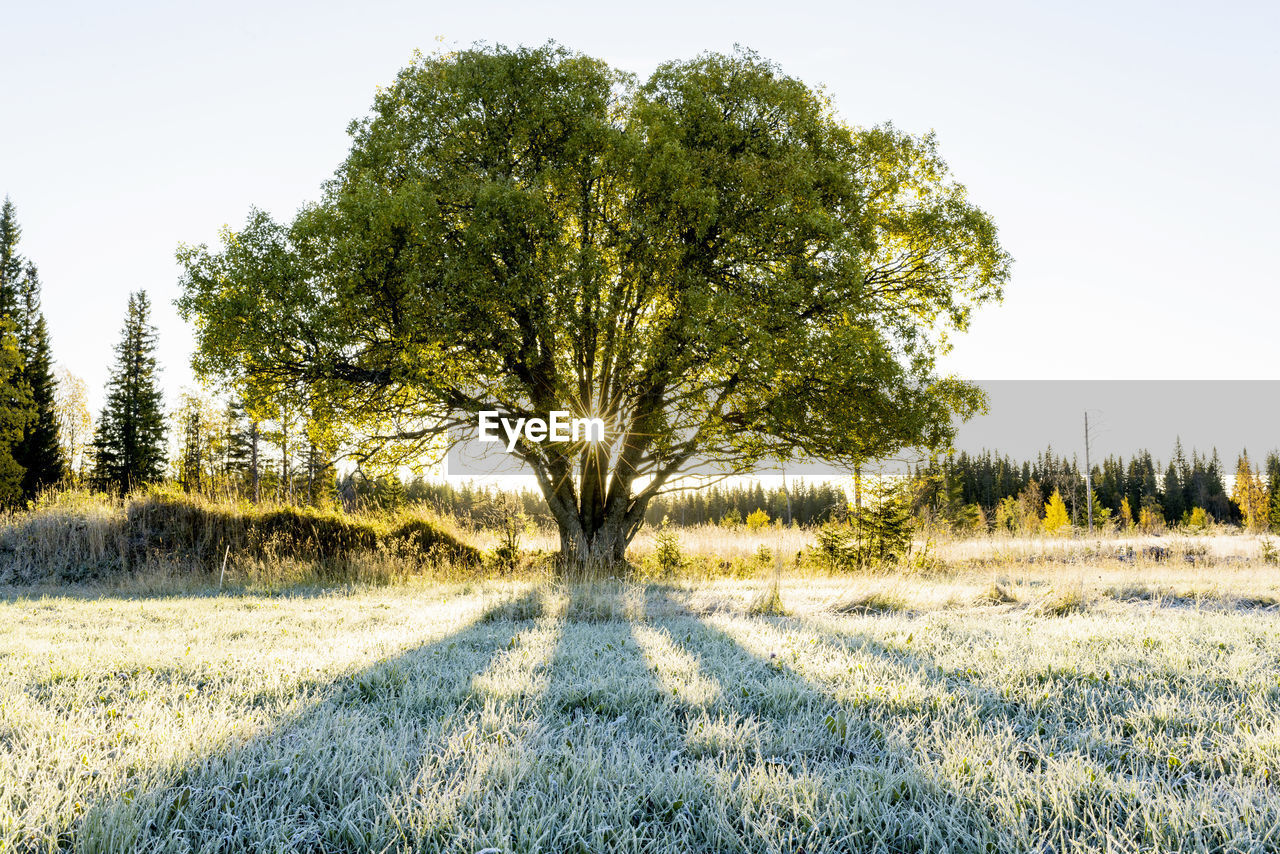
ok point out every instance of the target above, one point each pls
(1110, 710)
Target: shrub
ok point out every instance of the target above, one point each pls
(836, 546)
(1151, 516)
(1270, 554)
(884, 525)
(970, 519)
(667, 554)
(757, 520)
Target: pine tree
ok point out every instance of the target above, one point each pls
(39, 452)
(1184, 476)
(1171, 499)
(1250, 495)
(18, 285)
(11, 263)
(1218, 505)
(128, 447)
(191, 458)
(1273, 489)
(15, 414)
(239, 450)
(1056, 520)
(1126, 515)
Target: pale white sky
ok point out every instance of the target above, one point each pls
(1127, 151)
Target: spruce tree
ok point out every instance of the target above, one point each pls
(238, 458)
(1172, 497)
(39, 452)
(1273, 490)
(32, 409)
(15, 414)
(11, 263)
(128, 447)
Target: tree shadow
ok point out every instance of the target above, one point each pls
(615, 758)
(868, 792)
(320, 779)
(1071, 771)
(609, 724)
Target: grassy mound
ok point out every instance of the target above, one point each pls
(78, 537)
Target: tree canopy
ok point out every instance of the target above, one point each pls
(710, 259)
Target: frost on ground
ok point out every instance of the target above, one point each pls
(629, 718)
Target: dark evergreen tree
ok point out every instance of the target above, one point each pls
(15, 414)
(12, 265)
(1185, 472)
(1218, 504)
(39, 452)
(36, 453)
(191, 461)
(1171, 499)
(15, 398)
(1273, 489)
(237, 457)
(128, 447)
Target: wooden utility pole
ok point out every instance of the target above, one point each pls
(787, 493)
(1088, 476)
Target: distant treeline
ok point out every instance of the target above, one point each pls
(966, 491)
(810, 504)
(956, 489)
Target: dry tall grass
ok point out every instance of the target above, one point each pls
(77, 536)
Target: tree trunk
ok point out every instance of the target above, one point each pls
(591, 553)
(257, 483)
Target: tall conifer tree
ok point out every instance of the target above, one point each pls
(39, 452)
(15, 414)
(128, 447)
(1171, 498)
(11, 264)
(1273, 490)
(31, 457)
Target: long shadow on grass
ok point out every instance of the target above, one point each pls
(321, 779)
(587, 773)
(618, 760)
(1079, 778)
(1078, 712)
(859, 790)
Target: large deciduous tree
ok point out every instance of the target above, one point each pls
(710, 260)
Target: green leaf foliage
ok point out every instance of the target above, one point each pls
(710, 259)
